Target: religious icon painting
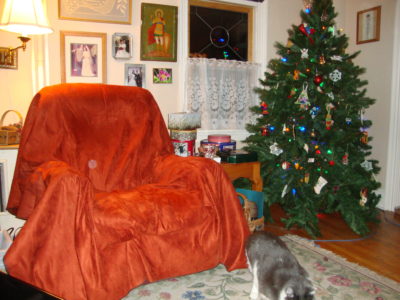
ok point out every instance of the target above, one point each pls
(159, 32)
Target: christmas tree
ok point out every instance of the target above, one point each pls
(310, 132)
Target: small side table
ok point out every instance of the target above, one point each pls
(250, 170)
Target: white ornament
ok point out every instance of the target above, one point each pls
(320, 184)
(304, 53)
(330, 95)
(367, 165)
(336, 57)
(284, 191)
(275, 149)
(335, 76)
(306, 148)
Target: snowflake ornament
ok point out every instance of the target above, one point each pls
(367, 165)
(275, 149)
(336, 75)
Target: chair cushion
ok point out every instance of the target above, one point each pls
(152, 208)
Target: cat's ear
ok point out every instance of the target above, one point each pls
(289, 292)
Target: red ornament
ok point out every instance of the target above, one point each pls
(307, 31)
(264, 131)
(331, 163)
(264, 107)
(318, 79)
(318, 151)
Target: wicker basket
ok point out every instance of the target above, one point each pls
(254, 223)
(10, 134)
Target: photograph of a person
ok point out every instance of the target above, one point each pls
(122, 45)
(158, 33)
(135, 75)
(83, 60)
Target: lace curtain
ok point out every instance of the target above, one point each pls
(222, 91)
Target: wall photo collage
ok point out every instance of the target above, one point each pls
(84, 54)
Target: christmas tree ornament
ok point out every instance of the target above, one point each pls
(284, 191)
(328, 118)
(307, 31)
(307, 6)
(275, 150)
(364, 196)
(306, 148)
(318, 79)
(331, 163)
(330, 95)
(345, 159)
(367, 165)
(302, 100)
(320, 184)
(335, 75)
(336, 58)
(314, 111)
(364, 137)
(308, 70)
(296, 74)
(306, 177)
(348, 121)
(264, 107)
(321, 60)
(285, 165)
(324, 16)
(264, 131)
(312, 134)
(304, 53)
(289, 43)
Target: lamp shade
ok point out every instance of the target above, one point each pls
(24, 17)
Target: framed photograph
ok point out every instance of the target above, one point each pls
(122, 45)
(368, 25)
(158, 32)
(83, 57)
(135, 75)
(162, 75)
(110, 11)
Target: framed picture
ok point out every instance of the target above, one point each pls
(122, 45)
(110, 11)
(368, 25)
(83, 57)
(135, 75)
(162, 75)
(158, 32)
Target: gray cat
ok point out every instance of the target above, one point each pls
(277, 275)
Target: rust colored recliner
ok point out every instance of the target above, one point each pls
(108, 205)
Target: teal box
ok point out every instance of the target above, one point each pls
(253, 196)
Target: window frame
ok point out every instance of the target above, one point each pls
(229, 7)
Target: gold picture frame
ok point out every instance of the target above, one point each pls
(159, 32)
(83, 57)
(111, 11)
(368, 25)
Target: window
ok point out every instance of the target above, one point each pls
(221, 31)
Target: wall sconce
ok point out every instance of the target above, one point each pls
(24, 17)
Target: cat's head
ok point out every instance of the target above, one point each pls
(298, 289)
